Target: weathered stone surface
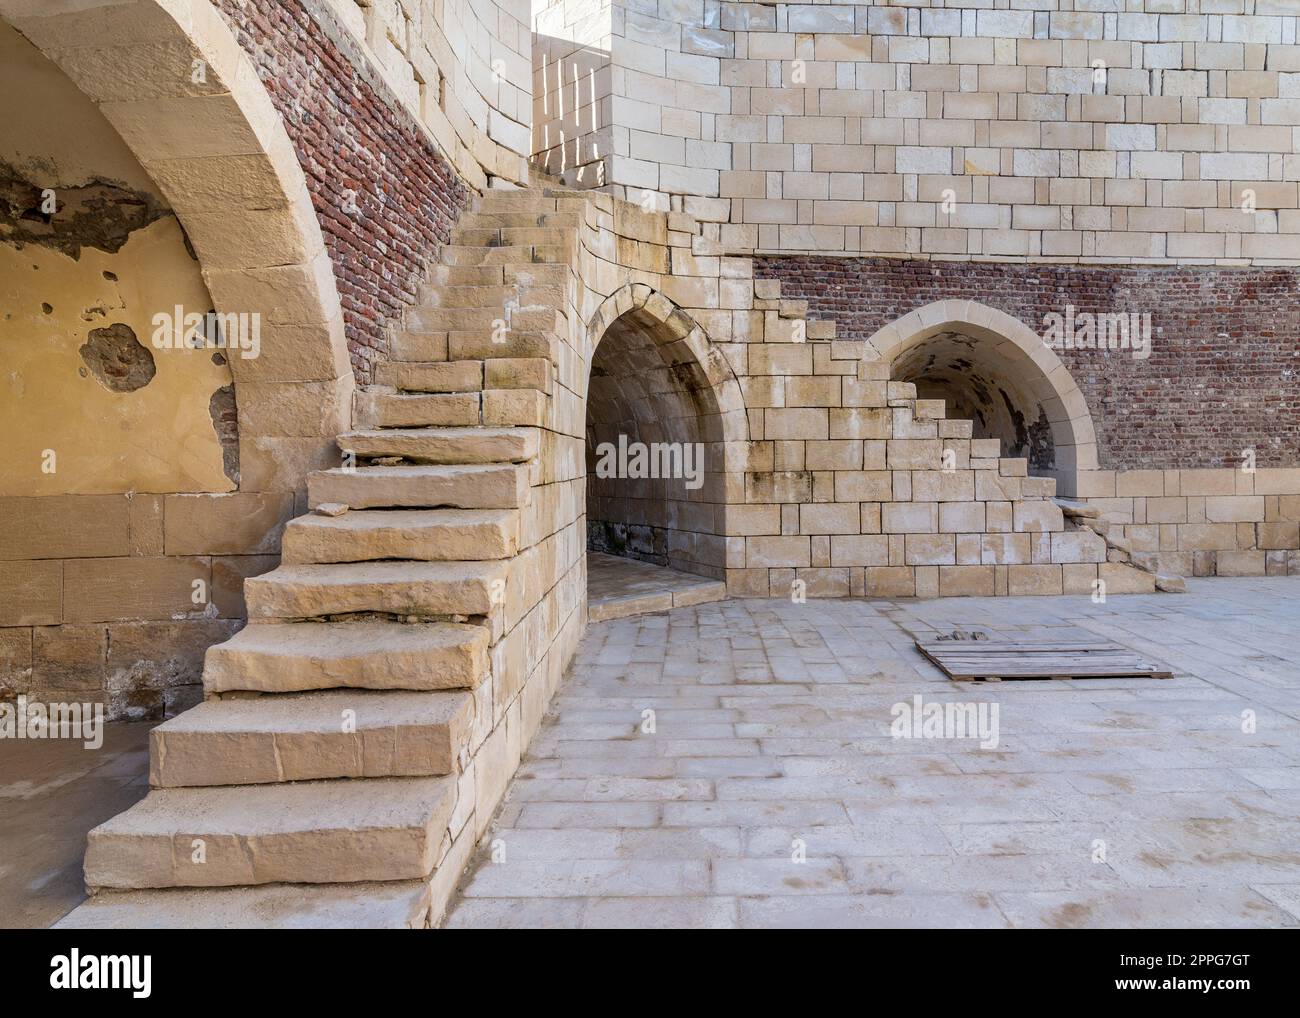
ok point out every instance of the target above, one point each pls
(237, 523)
(308, 736)
(31, 594)
(394, 905)
(476, 486)
(282, 658)
(311, 832)
(399, 410)
(400, 588)
(447, 376)
(421, 534)
(1124, 579)
(1171, 583)
(445, 445)
(64, 526)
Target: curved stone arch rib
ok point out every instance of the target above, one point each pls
(1068, 412)
(172, 80)
(677, 326)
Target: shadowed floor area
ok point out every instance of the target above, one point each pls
(621, 587)
(732, 764)
(52, 792)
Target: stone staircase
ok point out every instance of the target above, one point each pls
(327, 773)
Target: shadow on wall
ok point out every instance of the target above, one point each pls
(572, 135)
(653, 452)
(979, 384)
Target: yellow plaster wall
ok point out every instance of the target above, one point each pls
(159, 438)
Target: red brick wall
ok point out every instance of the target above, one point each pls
(350, 135)
(1225, 357)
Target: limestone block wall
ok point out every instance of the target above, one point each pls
(1216, 522)
(1173, 429)
(572, 89)
(462, 69)
(1219, 377)
(1098, 131)
(823, 472)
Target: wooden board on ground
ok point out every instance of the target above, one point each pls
(1008, 659)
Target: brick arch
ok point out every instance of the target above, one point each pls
(1036, 366)
(654, 376)
(218, 151)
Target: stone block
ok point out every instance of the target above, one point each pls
(890, 581)
(238, 523)
(930, 550)
(1033, 579)
(961, 517)
(909, 517)
(1038, 516)
(64, 526)
(31, 593)
(120, 589)
(914, 454)
(966, 581)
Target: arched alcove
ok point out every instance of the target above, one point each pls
(661, 409)
(994, 370)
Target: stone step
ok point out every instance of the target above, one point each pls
(390, 905)
(470, 344)
(401, 410)
(513, 236)
(519, 254)
(535, 318)
(314, 832)
(422, 486)
(532, 200)
(426, 535)
(417, 346)
(446, 376)
(463, 296)
(460, 275)
(422, 589)
(467, 344)
(295, 657)
(444, 445)
(512, 219)
(340, 733)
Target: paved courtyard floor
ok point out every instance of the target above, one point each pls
(731, 764)
(52, 791)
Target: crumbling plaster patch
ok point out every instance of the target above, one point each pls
(159, 437)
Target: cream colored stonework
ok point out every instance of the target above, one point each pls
(462, 69)
(1153, 131)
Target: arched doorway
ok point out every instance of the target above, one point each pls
(995, 371)
(662, 409)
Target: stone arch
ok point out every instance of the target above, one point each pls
(654, 377)
(171, 79)
(956, 337)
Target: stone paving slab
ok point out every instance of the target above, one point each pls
(764, 787)
(618, 588)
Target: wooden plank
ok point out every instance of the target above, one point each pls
(975, 659)
(1001, 646)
